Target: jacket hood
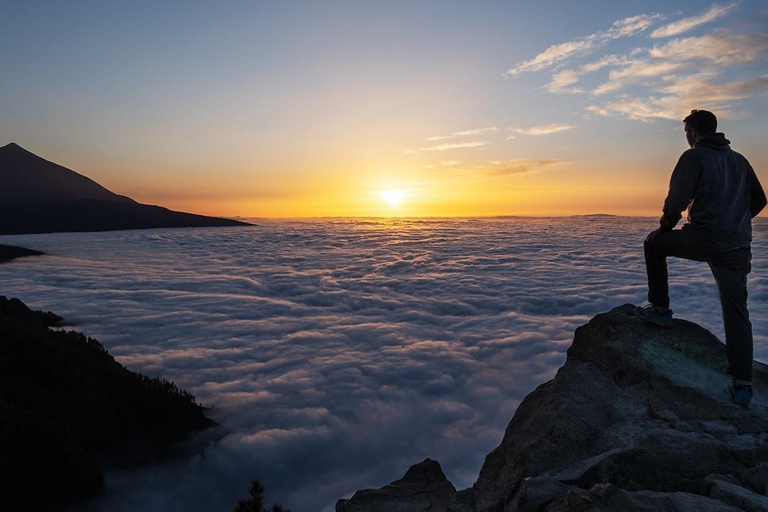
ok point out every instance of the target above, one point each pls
(716, 141)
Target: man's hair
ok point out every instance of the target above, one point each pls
(703, 121)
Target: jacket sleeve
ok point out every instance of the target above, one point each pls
(757, 195)
(682, 186)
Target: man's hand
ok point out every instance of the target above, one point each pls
(653, 235)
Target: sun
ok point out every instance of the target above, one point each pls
(393, 197)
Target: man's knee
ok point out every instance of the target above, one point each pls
(651, 247)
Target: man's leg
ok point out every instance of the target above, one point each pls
(732, 285)
(675, 243)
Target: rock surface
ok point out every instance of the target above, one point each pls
(423, 488)
(639, 418)
(638, 407)
(66, 406)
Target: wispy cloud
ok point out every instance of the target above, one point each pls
(686, 24)
(720, 48)
(674, 99)
(637, 69)
(688, 60)
(719, 69)
(560, 52)
(465, 133)
(458, 145)
(545, 130)
(562, 81)
(633, 108)
(512, 167)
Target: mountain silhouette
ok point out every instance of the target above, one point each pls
(39, 196)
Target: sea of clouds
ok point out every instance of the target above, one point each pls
(337, 353)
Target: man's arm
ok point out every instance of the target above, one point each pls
(682, 186)
(757, 195)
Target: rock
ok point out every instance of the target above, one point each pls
(757, 478)
(637, 419)
(423, 488)
(729, 491)
(609, 498)
(463, 501)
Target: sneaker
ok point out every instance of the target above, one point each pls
(651, 313)
(741, 393)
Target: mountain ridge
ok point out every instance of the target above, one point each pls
(41, 196)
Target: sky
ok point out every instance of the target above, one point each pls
(396, 108)
(339, 353)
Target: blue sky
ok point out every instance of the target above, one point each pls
(313, 108)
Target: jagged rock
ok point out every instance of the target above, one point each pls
(729, 490)
(463, 501)
(637, 419)
(609, 498)
(423, 488)
(757, 478)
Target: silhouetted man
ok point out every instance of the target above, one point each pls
(722, 194)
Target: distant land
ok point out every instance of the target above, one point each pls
(9, 252)
(39, 196)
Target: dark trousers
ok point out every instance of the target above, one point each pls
(730, 264)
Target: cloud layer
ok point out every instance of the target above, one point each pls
(338, 353)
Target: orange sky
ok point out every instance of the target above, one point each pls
(268, 111)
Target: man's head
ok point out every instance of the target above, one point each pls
(699, 124)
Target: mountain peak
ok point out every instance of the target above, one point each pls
(34, 179)
(39, 196)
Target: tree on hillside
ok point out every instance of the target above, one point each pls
(255, 502)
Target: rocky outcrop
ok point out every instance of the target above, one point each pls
(66, 406)
(638, 419)
(423, 488)
(637, 410)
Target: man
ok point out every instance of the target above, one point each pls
(722, 194)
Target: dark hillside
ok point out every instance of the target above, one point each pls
(9, 252)
(66, 405)
(39, 196)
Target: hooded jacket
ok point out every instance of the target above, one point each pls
(720, 190)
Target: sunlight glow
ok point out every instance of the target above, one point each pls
(393, 197)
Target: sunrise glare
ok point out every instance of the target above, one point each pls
(543, 108)
(393, 197)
